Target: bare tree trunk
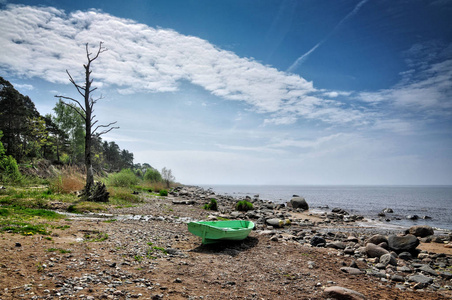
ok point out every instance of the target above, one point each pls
(91, 192)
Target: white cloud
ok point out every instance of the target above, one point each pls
(145, 59)
(23, 86)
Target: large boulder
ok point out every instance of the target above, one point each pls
(403, 243)
(377, 239)
(421, 230)
(299, 202)
(373, 250)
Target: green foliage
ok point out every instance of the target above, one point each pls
(152, 175)
(95, 236)
(163, 193)
(86, 206)
(9, 171)
(62, 251)
(125, 178)
(212, 205)
(123, 196)
(244, 205)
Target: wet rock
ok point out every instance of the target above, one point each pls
(412, 217)
(403, 243)
(337, 292)
(388, 211)
(339, 211)
(421, 230)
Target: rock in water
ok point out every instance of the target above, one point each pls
(421, 230)
(299, 202)
(337, 292)
(403, 243)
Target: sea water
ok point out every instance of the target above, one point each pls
(424, 201)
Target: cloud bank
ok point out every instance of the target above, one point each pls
(44, 42)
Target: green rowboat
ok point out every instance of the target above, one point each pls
(216, 231)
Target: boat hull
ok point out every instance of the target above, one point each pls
(217, 231)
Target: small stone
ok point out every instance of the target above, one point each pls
(351, 271)
(388, 259)
(18, 245)
(337, 292)
(420, 279)
(178, 280)
(397, 278)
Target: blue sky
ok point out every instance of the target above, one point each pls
(253, 92)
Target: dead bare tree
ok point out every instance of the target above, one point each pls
(91, 192)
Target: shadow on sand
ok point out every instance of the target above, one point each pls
(232, 248)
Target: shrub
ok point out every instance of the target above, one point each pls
(152, 175)
(212, 205)
(9, 170)
(163, 193)
(244, 205)
(124, 178)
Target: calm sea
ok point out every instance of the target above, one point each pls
(432, 201)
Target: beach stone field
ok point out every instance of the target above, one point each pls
(146, 252)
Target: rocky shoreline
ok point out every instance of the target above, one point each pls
(392, 257)
(146, 252)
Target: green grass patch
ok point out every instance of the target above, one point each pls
(110, 221)
(23, 228)
(62, 251)
(95, 236)
(212, 205)
(244, 205)
(123, 195)
(86, 206)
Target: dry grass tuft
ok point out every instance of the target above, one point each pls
(69, 180)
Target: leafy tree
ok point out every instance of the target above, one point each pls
(126, 159)
(68, 119)
(87, 115)
(152, 175)
(18, 117)
(57, 140)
